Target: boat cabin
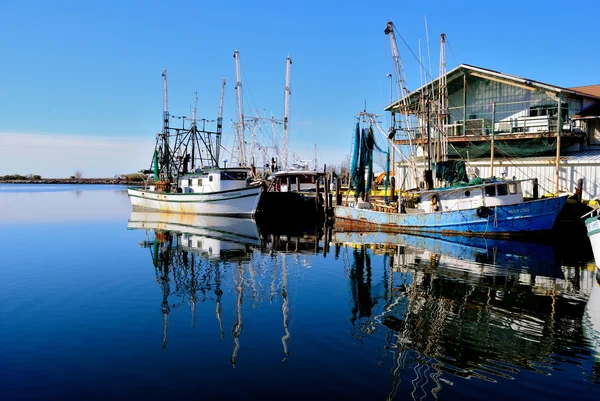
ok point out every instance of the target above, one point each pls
(296, 180)
(491, 194)
(217, 180)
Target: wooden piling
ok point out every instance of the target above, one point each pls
(579, 190)
(325, 190)
(317, 197)
(338, 195)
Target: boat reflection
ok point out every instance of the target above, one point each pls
(484, 310)
(198, 257)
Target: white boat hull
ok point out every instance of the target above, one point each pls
(593, 228)
(235, 203)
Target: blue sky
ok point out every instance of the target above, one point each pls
(86, 75)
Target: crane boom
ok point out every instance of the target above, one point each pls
(402, 91)
(286, 110)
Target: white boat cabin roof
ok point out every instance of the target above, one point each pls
(486, 183)
(288, 173)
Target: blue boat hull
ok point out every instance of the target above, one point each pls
(501, 221)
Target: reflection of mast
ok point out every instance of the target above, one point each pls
(161, 264)
(219, 293)
(236, 330)
(192, 289)
(284, 304)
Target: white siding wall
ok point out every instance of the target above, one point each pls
(544, 171)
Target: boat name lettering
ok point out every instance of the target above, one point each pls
(522, 210)
(594, 225)
(232, 194)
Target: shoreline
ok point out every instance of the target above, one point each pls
(98, 181)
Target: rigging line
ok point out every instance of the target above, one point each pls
(248, 89)
(451, 52)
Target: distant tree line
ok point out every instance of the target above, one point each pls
(21, 177)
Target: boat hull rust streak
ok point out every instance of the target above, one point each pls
(502, 221)
(234, 203)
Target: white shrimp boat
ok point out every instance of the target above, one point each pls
(218, 191)
(188, 177)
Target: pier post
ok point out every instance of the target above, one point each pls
(579, 190)
(326, 191)
(338, 195)
(558, 134)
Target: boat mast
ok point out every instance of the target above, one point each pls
(286, 110)
(275, 141)
(240, 125)
(219, 125)
(442, 114)
(194, 128)
(165, 134)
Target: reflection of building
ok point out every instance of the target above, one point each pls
(450, 315)
(203, 258)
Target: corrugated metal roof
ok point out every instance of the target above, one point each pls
(593, 90)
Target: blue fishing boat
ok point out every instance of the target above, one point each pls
(493, 207)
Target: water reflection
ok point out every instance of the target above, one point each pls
(435, 311)
(196, 256)
(470, 308)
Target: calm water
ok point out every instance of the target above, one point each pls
(97, 302)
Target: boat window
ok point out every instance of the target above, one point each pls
(234, 175)
(490, 191)
(196, 182)
(200, 181)
(467, 193)
(512, 188)
(307, 179)
(210, 178)
(502, 189)
(292, 179)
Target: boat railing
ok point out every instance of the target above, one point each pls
(591, 213)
